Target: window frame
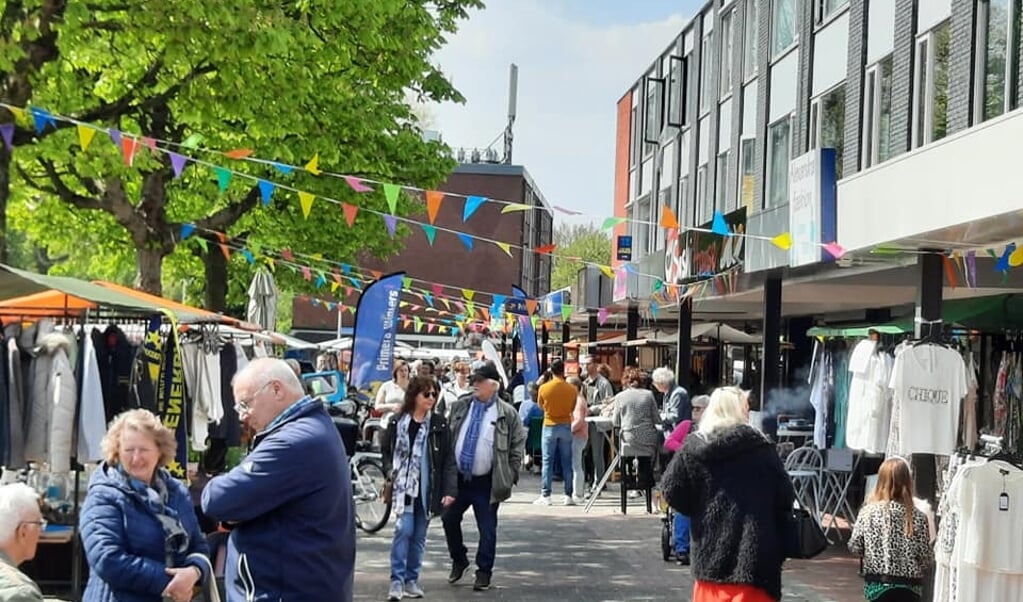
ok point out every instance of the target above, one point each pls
(873, 84)
(721, 202)
(659, 104)
(924, 88)
(682, 96)
(821, 17)
(817, 123)
(750, 43)
(778, 53)
(726, 39)
(705, 92)
(769, 179)
(701, 194)
(1012, 60)
(744, 143)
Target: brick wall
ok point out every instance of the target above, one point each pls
(902, 76)
(854, 86)
(623, 136)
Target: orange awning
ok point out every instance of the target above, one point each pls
(45, 304)
(173, 306)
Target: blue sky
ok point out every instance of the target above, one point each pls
(576, 58)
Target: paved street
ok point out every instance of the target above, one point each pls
(557, 553)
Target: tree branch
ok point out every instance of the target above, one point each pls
(221, 220)
(61, 190)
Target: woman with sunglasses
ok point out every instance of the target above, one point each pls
(419, 460)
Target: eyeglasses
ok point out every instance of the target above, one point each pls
(429, 394)
(41, 522)
(245, 405)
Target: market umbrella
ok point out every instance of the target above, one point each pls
(263, 300)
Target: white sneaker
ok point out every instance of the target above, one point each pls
(395, 593)
(569, 501)
(412, 590)
(543, 500)
(579, 499)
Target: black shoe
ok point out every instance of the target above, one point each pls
(683, 560)
(482, 581)
(458, 570)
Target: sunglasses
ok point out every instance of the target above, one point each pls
(429, 394)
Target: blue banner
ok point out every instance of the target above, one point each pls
(376, 326)
(527, 336)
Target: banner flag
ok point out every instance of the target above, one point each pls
(527, 336)
(376, 324)
(170, 401)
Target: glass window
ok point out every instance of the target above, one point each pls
(705, 64)
(749, 42)
(747, 172)
(877, 113)
(827, 123)
(637, 133)
(641, 228)
(826, 8)
(930, 106)
(664, 201)
(995, 46)
(704, 205)
(783, 25)
(685, 217)
(726, 53)
(677, 92)
(722, 201)
(778, 153)
(654, 112)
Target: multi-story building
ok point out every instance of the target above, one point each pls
(918, 100)
(446, 261)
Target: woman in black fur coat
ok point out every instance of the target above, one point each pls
(729, 480)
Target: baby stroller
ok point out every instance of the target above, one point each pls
(667, 527)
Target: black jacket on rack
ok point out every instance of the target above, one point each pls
(115, 356)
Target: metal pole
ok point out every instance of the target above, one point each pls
(772, 339)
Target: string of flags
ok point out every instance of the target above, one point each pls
(130, 145)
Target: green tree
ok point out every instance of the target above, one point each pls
(288, 80)
(583, 241)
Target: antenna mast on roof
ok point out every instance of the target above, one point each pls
(513, 92)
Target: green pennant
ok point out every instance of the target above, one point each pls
(223, 178)
(406, 282)
(391, 192)
(203, 244)
(611, 222)
(566, 312)
(430, 232)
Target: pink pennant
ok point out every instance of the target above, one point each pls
(287, 255)
(357, 184)
(834, 249)
(149, 143)
(602, 315)
(437, 289)
(307, 273)
(567, 211)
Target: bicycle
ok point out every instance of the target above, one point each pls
(365, 464)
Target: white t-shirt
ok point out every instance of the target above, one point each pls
(483, 461)
(391, 393)
(929, 382)
(869, 409)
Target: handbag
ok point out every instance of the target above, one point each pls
(387, 491)
(804, 538)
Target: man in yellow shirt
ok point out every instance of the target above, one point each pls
(557, 400)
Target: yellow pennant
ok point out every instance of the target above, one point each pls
(607, 271)
(313, 166)
(1016, 257)
(306, 200)
(783, 241)
(85, 136)
(515, 207)
(19, 114)
(468, 294)
(505, 247)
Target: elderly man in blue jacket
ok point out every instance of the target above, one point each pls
(290, 500)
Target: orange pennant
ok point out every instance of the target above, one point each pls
(433, 201)
(223, 245)
(546, 249)
(238, 153)
(531, 306)
(129, 145)
(486, 314)
(376, 274)
(668, 219)
(950, 272)
(350, 212)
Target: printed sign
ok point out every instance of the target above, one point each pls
(624, 248)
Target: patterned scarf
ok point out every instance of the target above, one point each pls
(155, 497)
(408, 462)
(472, 435)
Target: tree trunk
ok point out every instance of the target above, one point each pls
(149, 270)
(216, 279)
(5, 193)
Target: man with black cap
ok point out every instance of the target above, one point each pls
(489, 447)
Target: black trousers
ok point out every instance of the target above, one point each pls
(899, 595)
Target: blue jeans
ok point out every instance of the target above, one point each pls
(409, 543)
(473, 493)
(681, 529)
(557, 440)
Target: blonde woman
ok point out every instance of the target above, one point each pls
(139, 529)
(893, 537)
(728, 479)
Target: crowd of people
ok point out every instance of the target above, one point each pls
(455, 442)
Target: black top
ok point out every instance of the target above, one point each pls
(413, 430)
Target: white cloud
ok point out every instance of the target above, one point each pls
(571, 76)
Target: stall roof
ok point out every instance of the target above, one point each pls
(179, 309)
(990, 314)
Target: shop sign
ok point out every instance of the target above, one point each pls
(623, 248)
(708, 254)
(812, 215)
(675, 268)
(516, 306)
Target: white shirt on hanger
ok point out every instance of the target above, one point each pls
(929, 382)
(869, 405)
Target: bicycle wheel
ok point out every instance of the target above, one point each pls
(371, 512)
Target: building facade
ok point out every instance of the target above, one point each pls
(916, 97)
(486, 268)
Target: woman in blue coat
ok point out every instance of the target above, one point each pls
(138, 526)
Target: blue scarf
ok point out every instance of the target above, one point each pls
(472, 435)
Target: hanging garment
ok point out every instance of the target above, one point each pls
(819, 400)
(15, 397)
(54, 400)
(1001, 410)
(929, 383)
(5, 410)
(229, 428)
(202, 377)
(92, 425)
(842, 382)
(869, 415)
(37, 404)
(969, 428)
(115, 355)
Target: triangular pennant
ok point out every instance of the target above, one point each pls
(602, 315)
(321, 280)
(430, 232)
(719, 226)
(193, 141)
(405, 323)
(486, 314)
(834, 249)
(248, 256)
(187, 230)
(177, 162)
(468, 294)
(546, 249)
(950, 272)
(42, 119)
(406, 282)
(431, 327)
(266, 191)
(391, 194)
(466, 240)
(313, 166)
(284, 168)
(504, 247)
(356, 184)
(433, 200)
(7, 131)
(419, 323)
(19, 114)
(510, 207)
(115, 136)
(606, 269)
(668, 219)
(129, 145)
(287, 255)
(350, 212)
(437, 289)
(149, 143)
(1003, 262)
(376, 274)
(85, 136)
(472, 203)
(783, 241)
(653, 310)
(1016, 257)
(391, 223)
(223, 178)
(531, 306)
(447, 304)
(223, 245)
(305, 200)
(429, 299)
(203, 244)
(498, 300)
(611, 222)
(238, 153)
(566, 312)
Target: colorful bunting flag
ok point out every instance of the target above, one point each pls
(223, 245)
(546, 249)
(515, 207)
(834, 249)
(350, 212)
(468, 294)
(248, 256)
(430, 231)
(606, 269)
(223, 178)
(85, 136)
(283, 168)
(466, 240)
(406, 282)
(504, 247)
(177, 161)
(718, 225)
(287, 255)
(783, 241)
(611, 222)
(433, 200)
(391, 194)
(566, 312)
(266, 191)
(437, 289)
(115, 136)
(391, 223)
(305, 200)
(42, 119)
(313, 166)
(1016, 257)
(356, 184)
(238, 153)
(187, 230)
(602, 315)
(129, 146)
(149, 143)
(472, 203)
(668, 219)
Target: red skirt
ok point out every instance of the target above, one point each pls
(721, 592)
